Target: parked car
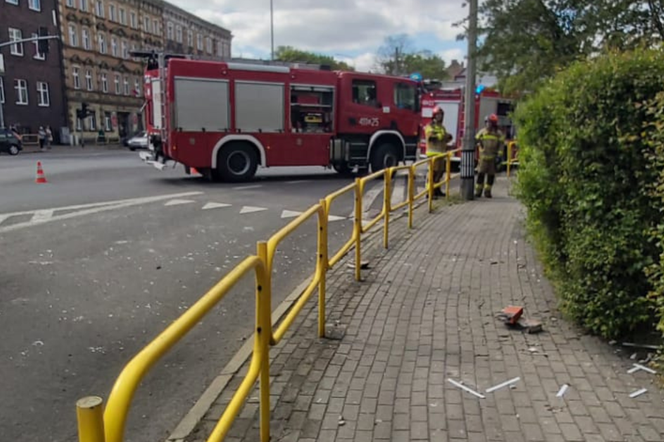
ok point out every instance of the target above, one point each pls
(138, 141)
(9, 142)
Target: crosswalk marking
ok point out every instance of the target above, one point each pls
(297, 182)
(254, 186)
(212, 205)
(336, 218)
(178, 202)
(251, 209)
(290, 214)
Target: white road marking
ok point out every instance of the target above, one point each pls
(42, 215)
(290, 214)
(4, 217)
(251, 209)
(399, 191)
(255, 186)
(177, 202)
(336, 218)
(92, 209)
(297, 182)
(211, 205)
(369, 197)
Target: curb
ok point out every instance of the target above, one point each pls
(72, 149)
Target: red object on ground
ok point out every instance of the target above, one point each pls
(41, 178)
(513, 314)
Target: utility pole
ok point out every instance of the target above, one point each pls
(468, 152)
(396, 61)
(272, 29)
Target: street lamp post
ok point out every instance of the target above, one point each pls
(272, 30)
(468, 152)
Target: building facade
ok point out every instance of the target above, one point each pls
(99, 71)
(31, 87)
(185, 33)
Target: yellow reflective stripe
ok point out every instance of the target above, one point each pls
(490, 137)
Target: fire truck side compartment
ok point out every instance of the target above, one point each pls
(202, 105)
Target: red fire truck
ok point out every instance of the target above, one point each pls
(225, 119)
(487, 102)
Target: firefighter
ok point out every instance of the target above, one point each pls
(437, 139)
(490, 141)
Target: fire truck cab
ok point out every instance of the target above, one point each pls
(226, 119)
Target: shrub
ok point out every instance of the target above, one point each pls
(584, 177)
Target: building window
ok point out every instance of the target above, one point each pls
(99, 8)
(104, 82)
(116, 81)
(73, 36)
(12, 2)
(114, 46)
(85, 39)
(2, 90)
(169, 31)
(84, 5)
(178, 34)
(146, 24)
(21, 87)
(126, 86)
(76, 77)
(155, 27)
(79, 125)
(38, 55)
(132, 20)
(190, 39)
(137, 87)
(103, 48)
(123, 16)
(14, 35)
(111, 12)
(208, 45)
(93, 120)
(43, 97)
(70, 3)
(125, 49)
(35, 5)
(88, 80)
(107, 122)
(199, 42)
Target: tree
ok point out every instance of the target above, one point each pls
(290, 54)
(527, 41)
(397, 57)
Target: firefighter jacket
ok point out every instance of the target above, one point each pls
(491, 142)
(436, 137)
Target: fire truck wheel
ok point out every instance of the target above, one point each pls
(386, 155)
(237, 162)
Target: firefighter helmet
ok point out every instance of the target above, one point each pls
(493, 118)
(437, 110)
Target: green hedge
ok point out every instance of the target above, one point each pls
(585, 178)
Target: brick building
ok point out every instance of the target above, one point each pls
(31, 88)
(185, 33)
(98, 68)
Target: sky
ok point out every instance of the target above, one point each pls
(348, 30)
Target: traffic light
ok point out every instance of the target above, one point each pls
(42, 45)
(83, 111)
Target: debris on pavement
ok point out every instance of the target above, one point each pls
(637, 367)
(463, 387)
(363, 265)
(504, 384)
(562, 390)
(512, 317)
(638, 393)
(631, 344)
(530, 325)
(511, 314)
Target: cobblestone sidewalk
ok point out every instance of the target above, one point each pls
(424, 314)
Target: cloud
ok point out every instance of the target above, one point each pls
(453, 54)
(342, 26)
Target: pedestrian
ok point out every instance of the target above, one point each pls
(42, 137)
(49, 137)
(437, 139)
(491, 141)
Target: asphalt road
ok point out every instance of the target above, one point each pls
(98, 261)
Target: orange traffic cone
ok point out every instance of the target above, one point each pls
(41, 179)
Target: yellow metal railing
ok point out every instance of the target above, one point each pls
(98, 425)
(512, 156)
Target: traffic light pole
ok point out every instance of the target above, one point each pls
(468, 152)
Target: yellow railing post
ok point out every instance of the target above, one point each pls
(263, 334)
(322, 266)
(431, 183)
(448, 174)
(411, 195)
(358, 229)
(90, 417)
(387, 200)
